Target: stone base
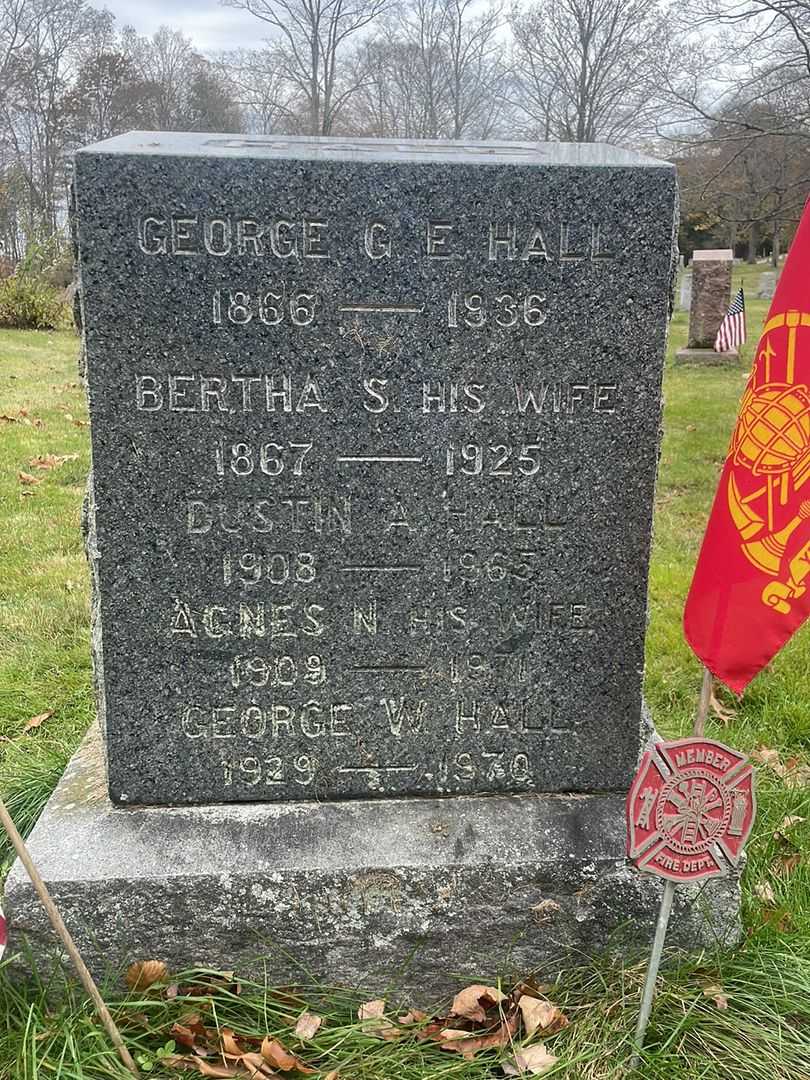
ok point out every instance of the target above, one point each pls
(705, 356)
(405, 897)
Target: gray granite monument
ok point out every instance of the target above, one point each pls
(709, 301)
(766, 286)
(685, 291)
(375, 428)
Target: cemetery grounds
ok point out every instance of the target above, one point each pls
(717, 1015)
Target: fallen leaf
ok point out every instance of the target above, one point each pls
(723, 714)
(530, 1061)
(376, 1024)
(255, 1066)
(307, 1024)
(413, 1016)
(230, 1047)
(766, 755)
(545, 911)
(541, 1014)
(8, 419)
(51, 461)
(333, 1075)
(469, 1045)
(371, 1009)
(786, 864)
(718, 996)
(36, 721)
(797, 773)
(222, 1072)
(474, 1000)
(788, 822)
(143, 973)
(27, 478)
(781, 919)
(277, 1055)
(764, 892)
(81, 423)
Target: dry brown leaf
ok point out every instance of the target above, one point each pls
(786, 864)
(413, 1016)
(539, 1014)
(306, 1025)
(27, 478)
(81, 423)
(333, 1075)
(8, 419)
(764, 892)
(223, 1072)
(255, 1067)
(530, 1061)
(545, 911)
(51, 461)
(474, 1000)
(278, 1056)
(766, 755)
(378, 1026)
(36, 721)
(722, 713)
(371, 1009)
(469, 1045)
(787, 822)
(143, 973)
(781, 919)
(230, 1047)
(797, 773)
(718, 996)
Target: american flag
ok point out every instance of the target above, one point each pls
(732, 329)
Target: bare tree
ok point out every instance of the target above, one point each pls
(747, 72)
(31, 112)
(586, 70)
(269, 102)
(315, 34)
(432, 71)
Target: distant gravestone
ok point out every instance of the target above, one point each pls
(685, 291)
(375, 428)
(767, 285)
(710, 298)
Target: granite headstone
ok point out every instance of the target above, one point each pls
(375, 429)
(767, 285)
(710, 298)
(685, 291)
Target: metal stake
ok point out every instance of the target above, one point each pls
(652, 970)
(699, 731)
(67, 940)
(706, 687)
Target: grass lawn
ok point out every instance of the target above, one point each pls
(763, 1032)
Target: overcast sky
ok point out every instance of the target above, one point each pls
(209, 25)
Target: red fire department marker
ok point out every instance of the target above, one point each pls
(690, 811)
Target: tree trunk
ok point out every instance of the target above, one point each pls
(753, 241)
(775, 252)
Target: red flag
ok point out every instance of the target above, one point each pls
(751, 589)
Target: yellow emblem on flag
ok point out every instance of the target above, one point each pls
(770, 455)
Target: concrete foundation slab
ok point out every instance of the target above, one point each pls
(402, 896)
(705, 356)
